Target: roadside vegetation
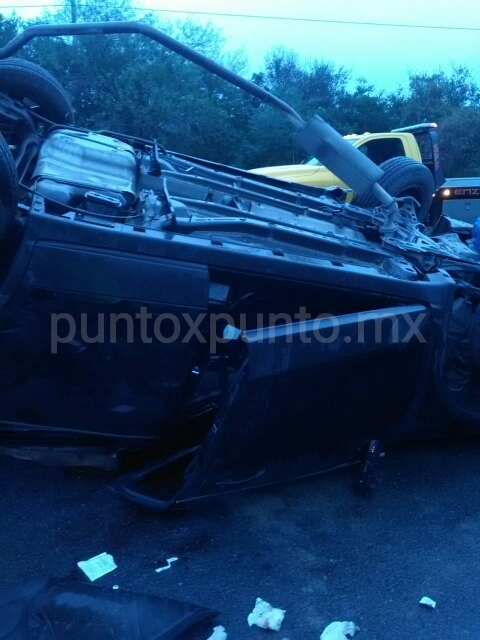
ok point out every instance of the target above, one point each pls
(129, 84)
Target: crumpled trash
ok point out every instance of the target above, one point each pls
(265, 616)
(219, 633)
(97, 566)
(428, 602)
(339, 631)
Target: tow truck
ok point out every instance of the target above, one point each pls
(413, 151)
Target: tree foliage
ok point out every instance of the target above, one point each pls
(127, 83)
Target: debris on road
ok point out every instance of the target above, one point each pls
(72, 608)
(168, 565)
(97, 566)
(265, 616)
(219, 633)
(428, 602)
(339, 631)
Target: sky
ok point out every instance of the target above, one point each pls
(384, 55)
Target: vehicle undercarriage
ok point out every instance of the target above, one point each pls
(211, 329)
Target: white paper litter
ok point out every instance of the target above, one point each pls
(428, 602)
(219, 633)
(339, 631)
(169, 564)
(265, 616)
(98, 566)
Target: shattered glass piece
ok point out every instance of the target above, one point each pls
(428, 602)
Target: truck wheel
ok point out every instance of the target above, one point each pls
(27, 82)
(8, 190)
(403, 177)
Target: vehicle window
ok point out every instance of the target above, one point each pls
(381, 150)
(425, 146)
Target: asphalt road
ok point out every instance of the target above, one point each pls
(313, 548)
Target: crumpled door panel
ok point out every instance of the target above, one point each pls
(46, 609)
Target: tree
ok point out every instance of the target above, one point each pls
(309, 88)
(128, 83)
(364, 110)
(9, 28)
(459, 136)
(433, 97)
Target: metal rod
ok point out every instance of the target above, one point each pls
(103, 28)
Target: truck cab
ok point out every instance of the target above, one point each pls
(418, 142)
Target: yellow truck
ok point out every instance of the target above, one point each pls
(409, 156)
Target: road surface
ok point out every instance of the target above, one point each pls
(314, 547)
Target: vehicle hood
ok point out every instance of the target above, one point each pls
(291, 172)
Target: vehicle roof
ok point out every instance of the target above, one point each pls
(423, 126)
(382, 134)
(414, 128)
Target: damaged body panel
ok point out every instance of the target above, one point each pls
(215, 329)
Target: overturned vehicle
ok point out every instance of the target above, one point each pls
(204, 329)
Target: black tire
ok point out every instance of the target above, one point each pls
(8, 190)
(403, 177)
(23, 80)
